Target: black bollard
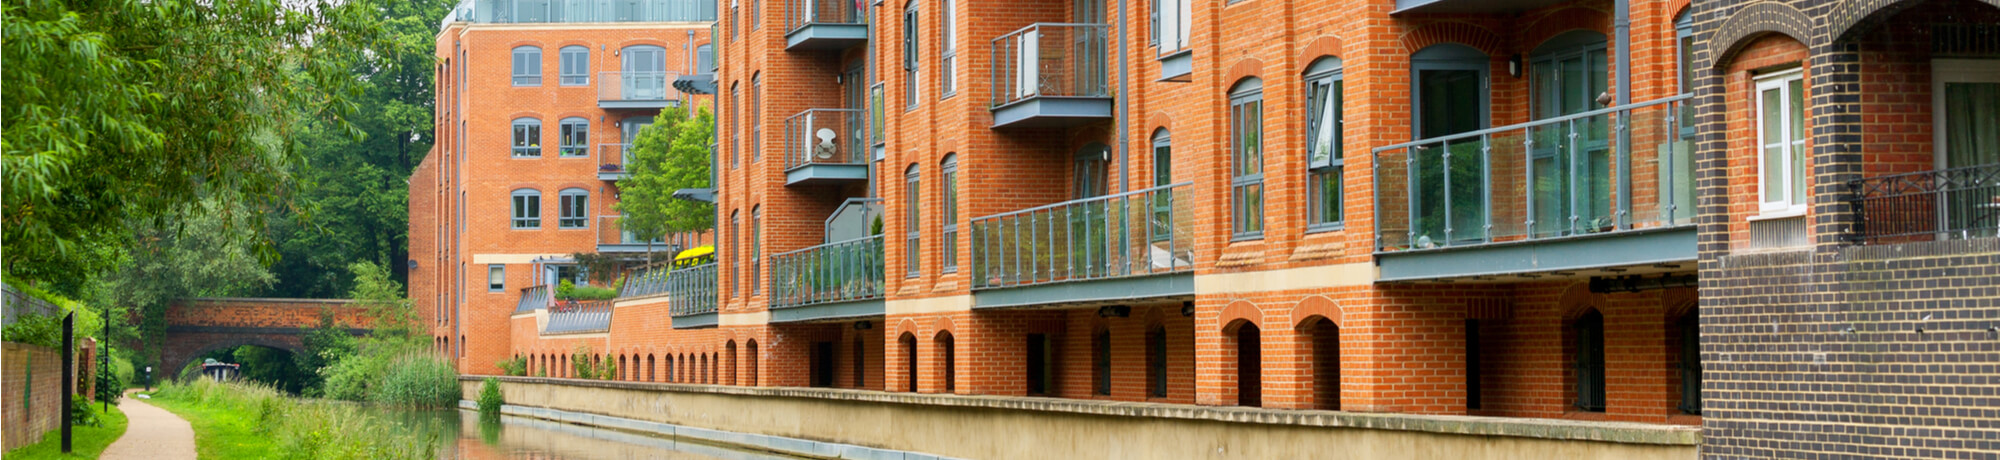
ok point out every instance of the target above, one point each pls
(68, 381)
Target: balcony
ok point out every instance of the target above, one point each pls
(1051, 75)
(579, 317)
(611, 161)
(829, 281)
(636, 90)
(561, 11)
(1129, 246)
(534, 298)
(1937, 205)
(823, 147)
(815, 25)
(645, 282)
(611, 238)
(1555, 196)
(691, 296)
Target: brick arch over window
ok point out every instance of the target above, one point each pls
(1576, 300)
(1453, 32)
(944, 325)
(1851, 13)
(1752, 22)
(1239, 313)
(1247, 68)
(1316, 307)
(907, 326)
(1565, 20)
(1160, 121)
(1320, 47)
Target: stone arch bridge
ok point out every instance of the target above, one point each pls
(198, 326)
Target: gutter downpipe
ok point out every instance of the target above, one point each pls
(1119, 117)
(1622, 23)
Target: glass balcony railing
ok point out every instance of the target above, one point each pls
(534, 298)
(833, 272)
(577, 316)
(636, 86)
(1050, 60)
(646, 281)
(1944, 204)
(1137, 233)
(802, 13)
(824, 136)
(548, 11)
(611, 158)
(691, 291)
(1559, 177)
(611, 234)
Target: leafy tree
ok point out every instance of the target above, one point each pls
(208, 253)
(669, 155)
(122, 111)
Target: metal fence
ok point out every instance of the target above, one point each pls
(691, 291)
(1558, 177)
(534, 298)
(544, 11)
(824, 136)
(1050, 60)
(1142, 232)
(646, 281)
(1944, 204)
(801, 13)
(573, 316)
(833, 272)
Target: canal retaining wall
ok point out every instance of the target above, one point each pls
(1017, 427)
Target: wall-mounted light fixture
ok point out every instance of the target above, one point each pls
(1115, 311)
(1514, 66)
(863, 325)
(1187, 309)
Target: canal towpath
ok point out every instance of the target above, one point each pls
(151, 433)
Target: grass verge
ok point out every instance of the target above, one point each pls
(221, 431)
(85, 441)
(248, 420)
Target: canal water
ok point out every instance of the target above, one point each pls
(464, 434)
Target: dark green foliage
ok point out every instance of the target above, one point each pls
(669, 155)
(419, 381)
(80, 413)
(516, 366)
(109, 386)
(489, 396)
(568, 291)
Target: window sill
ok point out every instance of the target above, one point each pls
(1775, 215)
(1326, 228)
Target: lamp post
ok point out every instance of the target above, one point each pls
(149, 379)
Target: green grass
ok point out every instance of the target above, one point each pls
(221, 431)
(85, 441)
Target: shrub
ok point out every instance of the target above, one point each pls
(305, 429)
(109, 385)
(489, 396)
(516, 366)
(80, 413)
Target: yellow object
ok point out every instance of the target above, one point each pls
(694, 256)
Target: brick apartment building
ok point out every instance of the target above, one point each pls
(537, 100)
(1437, 207)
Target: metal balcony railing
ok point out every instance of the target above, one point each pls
(691, 291)
(548, 11)
(833, 272)
(1137, 233)
(611, 157)
(824, 136)
(534, 298)
(1050, 60)
(636, 86)
(1944, 204)
(576, 316)
(646, 281)
(1559, 177)
(801, 13)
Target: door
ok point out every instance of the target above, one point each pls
(1448, 189)
(855, 93)
(1967, 104)
(1090, 227)
(1571, 160)
(644, 73)
(1087, 45)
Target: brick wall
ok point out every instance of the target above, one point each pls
(31, 400)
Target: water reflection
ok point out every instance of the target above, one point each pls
(461, 434)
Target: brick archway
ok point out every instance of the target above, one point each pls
(196, 327)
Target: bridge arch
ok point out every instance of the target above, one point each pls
(196, 327)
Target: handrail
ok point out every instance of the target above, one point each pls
(691, 291)
(840, 271)
(1535, 123)
(1961, 203)
(801, 134)
(1082, 200)
(1023, 66)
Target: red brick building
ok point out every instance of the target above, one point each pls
(536, 101)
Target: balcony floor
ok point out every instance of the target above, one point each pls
(825, 36)
(1623, 253)
(828, 311)
(826, 174)
(695, 321)
(1048, 112)
(1107, 291)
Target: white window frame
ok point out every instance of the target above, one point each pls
(1793, 148)
(1945, 71)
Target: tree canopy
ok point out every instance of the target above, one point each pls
(670, 155)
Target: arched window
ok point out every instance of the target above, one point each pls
(1589, 360)
(1156, 361)
(949, 214)
(913, 224)
(1690, 362)
(1325, 104)
(574, 66)
(1163, 175)
(756, 249)
(947, 49)
(527, 66)
(527, 138)
(912, 81)
(750, 350)
(1246, 147)
(908, 343)
(573, 138)
(755, 114)
(643, 73)
(729, 244)
(948, 349)
(527, 209)
(573, 208)
(1100, 346)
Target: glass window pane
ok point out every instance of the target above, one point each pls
(1774, 171)
(1772, 116)
(1798, 108)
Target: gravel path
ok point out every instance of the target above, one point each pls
(152, 434)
